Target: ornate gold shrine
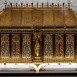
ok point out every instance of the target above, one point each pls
(38, 35)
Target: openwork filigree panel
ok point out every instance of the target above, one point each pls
(5, 46)
(59, 50)
(16, 46)
(48, 46)
(26, 46)
(69, 45)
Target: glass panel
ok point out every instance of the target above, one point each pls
(24, 49)
(7, 49)
(28, 49)
(4, 45)
(13, 49)
(61, 48)
(18, 49)
(67, 49)
(16, 45)
(71, 48)
(57, 49)
(70, 45)
(26, 46)
(48, 48)
(3, 49)
(59, 45)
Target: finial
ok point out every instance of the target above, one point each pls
(42, 4)
(37, 4)
(52, 4)
(21, 4)
(5, 3)
(63, 4)
(27, 4)
(58, 4)
(69, 4)
(11, 4)
(47, 4)
(16, 4)
(32, 4)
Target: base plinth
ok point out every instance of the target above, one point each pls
(37, 59)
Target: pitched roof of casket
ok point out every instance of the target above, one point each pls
(40, 17)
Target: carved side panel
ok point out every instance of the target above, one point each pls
(58, 18)
(26, 46)
(5, 46)
(48, 46)
(6, 18)
(69, 18)
(16, 18)
(69, 45)
(15, 46)
(59, 50)
(48, 18)
(37, 17)
(27, 18)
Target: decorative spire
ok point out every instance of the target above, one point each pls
(5, 3)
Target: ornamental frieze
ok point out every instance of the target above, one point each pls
(37, 31)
